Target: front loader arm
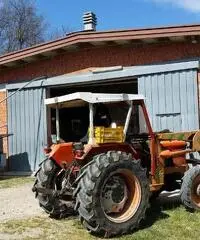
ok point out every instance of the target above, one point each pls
(171, 150)
(192, 138)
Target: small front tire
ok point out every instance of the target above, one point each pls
(46, 177)
(190, 189)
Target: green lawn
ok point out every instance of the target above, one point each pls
(7, 182)
(165, 221)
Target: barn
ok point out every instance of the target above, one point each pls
(160, 63)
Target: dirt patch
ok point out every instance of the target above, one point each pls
(18, 202)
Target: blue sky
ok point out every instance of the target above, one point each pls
(120, 14)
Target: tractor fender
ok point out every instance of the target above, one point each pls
(92, 150)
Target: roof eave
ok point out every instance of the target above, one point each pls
(74, 40)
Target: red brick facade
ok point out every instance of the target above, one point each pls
(3, 120)
(127, 55)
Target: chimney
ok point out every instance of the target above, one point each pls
(89, 21)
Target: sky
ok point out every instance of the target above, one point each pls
(120, 14)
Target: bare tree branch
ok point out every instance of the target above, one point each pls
(59, 32)
(20, 25)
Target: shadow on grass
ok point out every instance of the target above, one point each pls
(166, 201)
(156, 212)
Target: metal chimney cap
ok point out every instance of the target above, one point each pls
(89, 21)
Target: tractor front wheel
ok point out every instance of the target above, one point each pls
(190, 189)
(113, 194)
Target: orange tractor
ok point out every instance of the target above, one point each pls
(108, 175)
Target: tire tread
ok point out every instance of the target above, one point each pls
(85, 202)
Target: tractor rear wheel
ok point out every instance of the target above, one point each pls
(47, 178)
(113, 194)
(190, 189)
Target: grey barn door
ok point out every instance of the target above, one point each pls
(27, 124)
(172, 100)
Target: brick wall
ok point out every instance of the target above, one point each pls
(101, 57)
(3, 120)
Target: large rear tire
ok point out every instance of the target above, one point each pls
(190, 189)
(113, 194)
(46, 178)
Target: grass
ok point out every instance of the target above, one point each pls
(8, 182)
(164, 221)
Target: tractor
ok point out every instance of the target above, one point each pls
(109, 174)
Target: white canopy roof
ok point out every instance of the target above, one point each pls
(80, 98)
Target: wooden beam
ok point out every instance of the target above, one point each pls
(49, 54)
(3, 67)
(72, 47)
(177, 39)
(98, 43)
(84, 45)
(137, 42)
(11, 64)
(60, 51)
(193, 39)
(149, 40)
(197, 39)
(31, 59)
(163, 40)
(123, 42)
(111, 43)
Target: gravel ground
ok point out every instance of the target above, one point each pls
(18, 202)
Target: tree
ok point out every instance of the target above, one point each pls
(20, 25)
(59, 32)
